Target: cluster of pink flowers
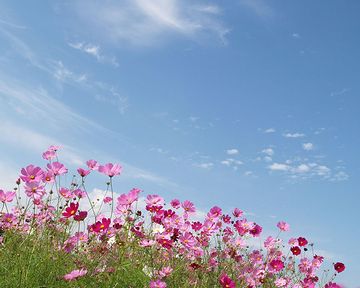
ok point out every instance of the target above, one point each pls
(217, 244)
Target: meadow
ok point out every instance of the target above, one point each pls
(53, 235)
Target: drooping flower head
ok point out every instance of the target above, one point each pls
(283, 226)
(57, 168)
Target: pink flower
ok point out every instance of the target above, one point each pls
(188, 240)
(92, 164)
(34, 190)
(82, 172)
(129, 198)
(281, 282)
(57, 168)
(100, 226)
(75, 274)
(283, 226)
(226, 281)
(154, 200)
(188, 206)
(165, 272)
(48, 155)
(277, 265)
(79, 193)
(237, 212)
(157, 284)
(6, 196)
(175, 203)
(107, 200)
(110, 169)
(66, 193)
(31, 174)
(332, 285)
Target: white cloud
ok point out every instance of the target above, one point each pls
(294, 135)
(302, 168)
(232, 151)
(268, 151)
(308, 146)
(143, 22)
(270, 130)
(279, 167)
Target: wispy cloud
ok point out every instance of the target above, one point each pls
(63, 74)
(207, 165)
(143, 22)
(294, 135)
(94, 51)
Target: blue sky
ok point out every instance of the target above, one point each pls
(245, 103)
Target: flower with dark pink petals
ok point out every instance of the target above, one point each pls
(7, 196)
(71, 210)
(302, 241)
(226, 282)
(339, 267)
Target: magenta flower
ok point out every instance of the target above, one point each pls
(175, 203)
(6, 196)
(31, 174)
(57, 168)
(110, 169)
(48, 155)
(237, 212)
(75, 274)
(129, 198)
(332, 285)
(157, 284)
(226, 281)
(188, 240)
(277, 265)
(283, 226)
(80, 216)
(71, 210)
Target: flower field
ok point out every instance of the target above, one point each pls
(53, 235)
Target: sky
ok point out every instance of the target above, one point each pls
(245, 103)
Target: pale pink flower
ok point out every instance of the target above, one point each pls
(34, 190)
(110, 169)
(281, 282)
(57, 168)
(165, 272)
(283, 226)
(6, 196)
(154, 200)
(188, 206)
(31, 174)
(75, 274)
